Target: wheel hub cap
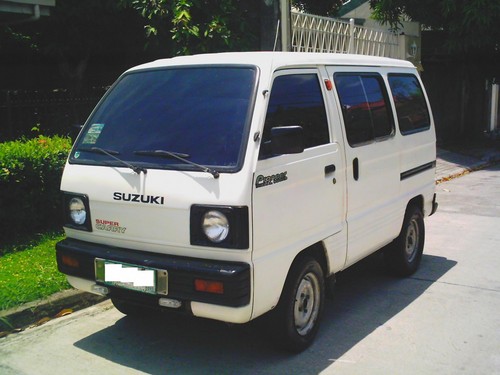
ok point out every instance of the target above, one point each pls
(306, 304)
(411, 240)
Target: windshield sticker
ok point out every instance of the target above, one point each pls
(262, 181)
(93, 134)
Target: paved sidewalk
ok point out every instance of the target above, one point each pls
(449, 165)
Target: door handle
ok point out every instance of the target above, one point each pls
(355, 169)
(330, 169)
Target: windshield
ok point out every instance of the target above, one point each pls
(200, 113)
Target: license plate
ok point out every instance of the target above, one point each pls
(130, 276)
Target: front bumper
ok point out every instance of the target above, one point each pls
(182, 272)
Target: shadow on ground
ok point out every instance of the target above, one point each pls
(365, 298)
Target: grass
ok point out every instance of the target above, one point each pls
(28, 271)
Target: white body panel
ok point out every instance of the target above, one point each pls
(293, 215)
(373, 199)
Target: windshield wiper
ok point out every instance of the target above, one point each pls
(179, 156)
(111, 154)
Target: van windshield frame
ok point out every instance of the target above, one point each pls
(201, 111)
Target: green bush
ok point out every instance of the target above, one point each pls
(30, 176)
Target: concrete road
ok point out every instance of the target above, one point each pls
(443, 320)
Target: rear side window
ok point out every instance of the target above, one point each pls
(365, 107)
(296, 99)
(411, 108)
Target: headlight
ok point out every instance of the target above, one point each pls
(226, 227)
(215, 226)
(77, 211)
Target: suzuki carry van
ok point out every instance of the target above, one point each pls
(235, 185)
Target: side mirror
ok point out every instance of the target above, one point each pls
(287, 140)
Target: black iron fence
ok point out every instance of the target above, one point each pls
(47, 111)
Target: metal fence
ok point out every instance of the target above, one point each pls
(321, 34)
(50, 111)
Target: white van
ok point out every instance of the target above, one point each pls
(232, 185)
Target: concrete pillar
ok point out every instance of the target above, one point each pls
(286, 25)
(275, 29)
(493, 123)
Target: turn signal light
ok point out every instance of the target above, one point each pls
(70, 261)
(328, 84)
(209, 286)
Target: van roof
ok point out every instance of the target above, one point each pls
(276, 60)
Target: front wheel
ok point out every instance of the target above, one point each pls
(295, 321)
(403, 255)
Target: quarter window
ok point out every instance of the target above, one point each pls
(364, 106)
(296, 100)
(411, 108)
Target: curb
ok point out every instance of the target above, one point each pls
(41, 311)
(451, 164)
(462, 171)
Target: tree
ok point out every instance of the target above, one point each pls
(197, 26)
(467, 24)
(318, 7)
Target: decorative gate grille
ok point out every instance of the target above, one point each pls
(321, 34)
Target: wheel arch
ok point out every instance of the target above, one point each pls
(318, 252)
(417, 201)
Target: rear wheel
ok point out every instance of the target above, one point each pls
(295, 321)
(403, 255)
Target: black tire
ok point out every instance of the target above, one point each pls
(404, 254)
(130, 309)
(295, 321)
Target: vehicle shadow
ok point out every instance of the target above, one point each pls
(365, 299)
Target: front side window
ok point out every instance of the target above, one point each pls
(199, 113)
(365, 107)
(411, 108)
(296, 99)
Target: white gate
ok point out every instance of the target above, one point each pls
(322, 34)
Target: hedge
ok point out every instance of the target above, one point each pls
(30, 176)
